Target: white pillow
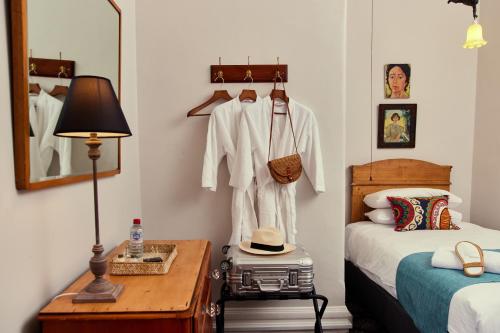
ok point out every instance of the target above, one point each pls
(385, 216)
(379, 199)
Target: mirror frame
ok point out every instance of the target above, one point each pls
(20, 101)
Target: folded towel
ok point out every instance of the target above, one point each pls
(445, 257)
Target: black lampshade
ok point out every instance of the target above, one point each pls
(91, 106)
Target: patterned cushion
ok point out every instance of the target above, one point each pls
(421, 213)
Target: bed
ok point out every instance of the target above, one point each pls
(374, 252)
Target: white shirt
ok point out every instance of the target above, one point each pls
(222, 138)
(276, 202)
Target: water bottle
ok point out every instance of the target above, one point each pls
(136, 242)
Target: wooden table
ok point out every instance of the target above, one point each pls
(174, 302)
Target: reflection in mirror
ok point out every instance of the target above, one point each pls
(88, 34)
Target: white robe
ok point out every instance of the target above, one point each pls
(36, 169)
(276, 202)
(222, 138)
(48, 110)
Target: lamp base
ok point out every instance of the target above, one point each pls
(108, 296)
(100, 290)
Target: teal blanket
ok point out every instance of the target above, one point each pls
(425, 292)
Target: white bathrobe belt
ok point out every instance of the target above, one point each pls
(248, 223)
(281, 195)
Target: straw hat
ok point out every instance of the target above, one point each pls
(266, 241)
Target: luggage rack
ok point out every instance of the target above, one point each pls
(226, 295)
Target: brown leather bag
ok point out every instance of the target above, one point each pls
(284, 170)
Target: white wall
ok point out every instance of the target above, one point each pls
(176, 43)
(429, 35)
(486, 178)
(48, 234)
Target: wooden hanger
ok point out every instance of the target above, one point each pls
(59, 90)
(218, 95)
(279, 94)
(34, 88)
(247, 94)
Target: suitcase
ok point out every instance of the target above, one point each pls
(250, 274)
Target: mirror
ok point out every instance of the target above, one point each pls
(52, 41)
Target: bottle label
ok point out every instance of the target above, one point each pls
(136, 235)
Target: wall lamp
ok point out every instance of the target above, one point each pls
(475, 31)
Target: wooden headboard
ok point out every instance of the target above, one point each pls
(395, 173)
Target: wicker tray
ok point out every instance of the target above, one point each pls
(129, 266)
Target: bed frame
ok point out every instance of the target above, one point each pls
(370, 178)
(396, 173)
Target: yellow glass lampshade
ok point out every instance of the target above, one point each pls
(474, 36)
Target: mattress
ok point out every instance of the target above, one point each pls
(377, 250)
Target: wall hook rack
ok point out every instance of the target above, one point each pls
(58, 68)
(238, 73)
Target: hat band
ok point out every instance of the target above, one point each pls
(270, 248)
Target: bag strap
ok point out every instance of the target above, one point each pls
(272, 118)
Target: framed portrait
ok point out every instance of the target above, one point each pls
(397, 81)
(397, 125)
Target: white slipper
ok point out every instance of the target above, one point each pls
(471, 256)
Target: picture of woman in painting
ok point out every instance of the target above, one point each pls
(397, 81)
(397, 125)
(394, 132)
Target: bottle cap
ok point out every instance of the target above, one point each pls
(137, 221)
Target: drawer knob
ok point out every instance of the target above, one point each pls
(226, 265)
(215, 274)
(211, 310)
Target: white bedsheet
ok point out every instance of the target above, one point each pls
(377, 250)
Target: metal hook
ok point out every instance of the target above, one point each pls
(32, 66)
(278, 74)
(32, 69)
(220, 74)
(248, 74)
(62, 69)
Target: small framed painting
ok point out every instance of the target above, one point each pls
(397, 81)
(397, 125)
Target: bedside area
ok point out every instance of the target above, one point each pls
(173, 302)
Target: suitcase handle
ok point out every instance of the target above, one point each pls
(270, 289)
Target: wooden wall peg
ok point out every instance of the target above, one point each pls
(238, 73)
(51, 67)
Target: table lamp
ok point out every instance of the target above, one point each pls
(91, 110)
